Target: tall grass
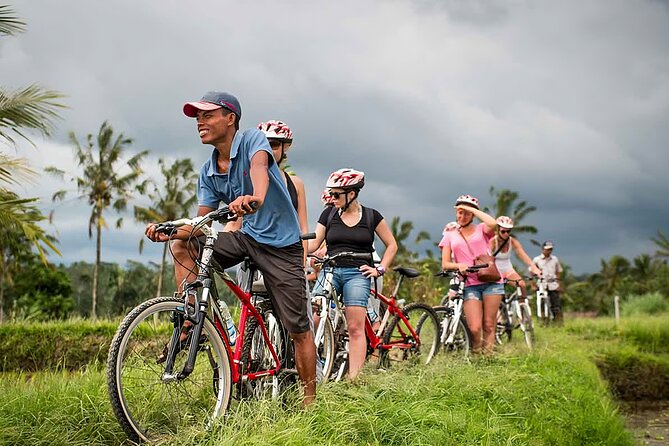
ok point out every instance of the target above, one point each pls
(646, 304)
(552, 396)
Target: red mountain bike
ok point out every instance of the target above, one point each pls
(170, 364)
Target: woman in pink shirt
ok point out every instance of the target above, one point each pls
(459, 247)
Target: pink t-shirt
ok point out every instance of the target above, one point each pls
(479, 242)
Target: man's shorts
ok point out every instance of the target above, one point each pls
(282, 269)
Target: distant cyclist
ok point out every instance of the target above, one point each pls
(459, 247)
(550, 270)
(280, 139)
(502, 244)
(350, 226)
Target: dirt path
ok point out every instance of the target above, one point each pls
(649, 421)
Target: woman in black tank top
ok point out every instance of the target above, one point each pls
(280, 139)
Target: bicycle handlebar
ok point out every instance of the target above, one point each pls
(329, 260)
(222, 215)
(450, 272)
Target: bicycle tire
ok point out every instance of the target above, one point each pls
(148, 405)
(462, 339)
(504, 327)
(526, 324)
(325, 353)
(256, 357)
(426, 328)
(340, 364)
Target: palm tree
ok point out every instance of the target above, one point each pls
(505, 204)
(31, 107)
(102, 184)
(173, 199)
(606, 281)
(401, 231)
(662, 242)
(19, 233)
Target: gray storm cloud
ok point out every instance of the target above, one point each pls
(564, 102)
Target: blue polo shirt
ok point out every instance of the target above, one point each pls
(275, 223)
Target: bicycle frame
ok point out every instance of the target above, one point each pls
(205, 281)
(542, 299)
(450, 324)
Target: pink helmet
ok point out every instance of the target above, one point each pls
(468, 200)
(505, 222)
(326, 198)
(276, 130)
(346, 179)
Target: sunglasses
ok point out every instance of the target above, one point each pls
(505, 231)
(274, 144)
(335, 195)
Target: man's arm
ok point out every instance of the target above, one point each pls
(260, 180)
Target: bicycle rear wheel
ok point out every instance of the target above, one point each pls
(456, 340)
(400, 344)
(257, 357)
(149, 404)
(325, 352)
(504, 329)
(526, 324)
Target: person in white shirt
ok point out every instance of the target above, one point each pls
(550, 270)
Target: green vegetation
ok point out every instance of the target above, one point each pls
(553, 395)
(68, 345)
(647, 304)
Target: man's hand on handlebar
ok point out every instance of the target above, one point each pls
(245, 204)
(154, 233)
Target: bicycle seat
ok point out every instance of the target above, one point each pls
(406, 272)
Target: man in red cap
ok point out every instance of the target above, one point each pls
(242, 171)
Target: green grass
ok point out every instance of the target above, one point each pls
(552, 396)
(646, 304)
(649, 333)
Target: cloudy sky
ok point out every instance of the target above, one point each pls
(566, 103)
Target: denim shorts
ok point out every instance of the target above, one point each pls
(484, 289)
(349, 283)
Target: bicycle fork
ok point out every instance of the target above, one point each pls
(178, 319)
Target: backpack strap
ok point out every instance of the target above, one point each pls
(331, 215)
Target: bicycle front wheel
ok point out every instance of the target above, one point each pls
(456, 340)
(526, 324)
(325, 352)
(150, 404)
(399, 343)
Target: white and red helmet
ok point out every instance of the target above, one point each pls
(468, 200)
(505, 222)
(346, 179)
(274, 129)
(326, 198)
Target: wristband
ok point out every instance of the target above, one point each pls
(381, 270)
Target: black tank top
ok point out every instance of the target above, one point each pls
(292, 190)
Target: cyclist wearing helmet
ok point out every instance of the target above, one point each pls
(459, 248)
(502, 244)
(349, 226)
(280, 139)
(242, 171)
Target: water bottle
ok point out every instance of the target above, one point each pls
(232, 330)
(332, 309)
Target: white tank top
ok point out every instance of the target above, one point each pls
(503, 259)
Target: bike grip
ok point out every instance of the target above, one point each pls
(166, 229)
(308, 236)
